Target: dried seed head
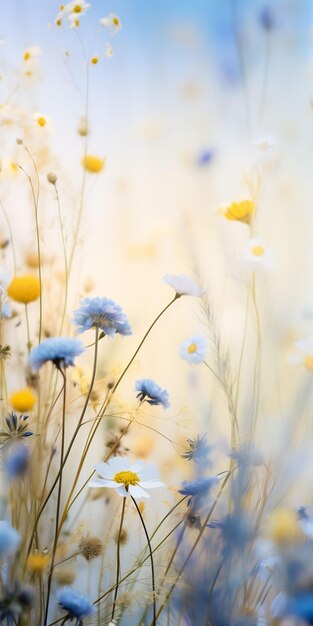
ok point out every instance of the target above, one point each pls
(65, 575)
(90, 547)
(52, 178)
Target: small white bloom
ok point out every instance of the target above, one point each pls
(304, 356)
(257, 255)
(265, 151)
(112, 22)
(194, 349)
(108, 51)
(75, 7)
(32, 53)
(127, 478)
(184, 285)
(41, 120)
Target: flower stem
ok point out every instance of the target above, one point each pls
(118, 558)
(63, 373)
(66, 455)
(29, 344)
(151, 559)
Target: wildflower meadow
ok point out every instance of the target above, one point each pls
(156, 313)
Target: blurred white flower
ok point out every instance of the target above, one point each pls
(42, 121)
(304, 356)
(265, 151)
(184, 285)
(257, 254)
(34, 52)
(194, 349)
(112, 22)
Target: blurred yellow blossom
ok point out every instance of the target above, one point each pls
(25, 288)
(23, 400)
(241, 211)
(283, 526)
(37, 562)
(92, 164)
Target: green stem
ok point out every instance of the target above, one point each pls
(118, 558)
(55, 543)
(151, 560)
(29, 344)
(43, 506)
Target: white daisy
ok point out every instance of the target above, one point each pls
(34, 52)
(257, 255)
(76, 7)
(42, 121)
(127, 478)
(304, 356)
(184, 285)
(112, 22)
(194, 349)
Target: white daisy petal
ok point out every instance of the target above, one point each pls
(104, 470)
(305, 345)
(101, 482)
(121, 490)
(151, 484)
(183, 285)
(137, 492)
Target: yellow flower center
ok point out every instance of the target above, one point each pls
(58, 22)
(24, 288)
(95, 60)
(116, 21)
(126, 478)
(77, 8)
(192, 348)
(41, 121)
(26, 55)
(308, 362)
(257, 250)
(23, 400)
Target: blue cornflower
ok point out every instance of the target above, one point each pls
(151, 392)
(9, 539)
(199, 486)
(101, 313)
(59, 350)
(266, 18)
(16, 460)
(205, 157)
(75, 603)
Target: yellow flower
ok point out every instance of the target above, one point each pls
(37, 562)
(23, 400)
(94, 60)
(283, 526)
(241, 211)
(92, 163)
(25, 288)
